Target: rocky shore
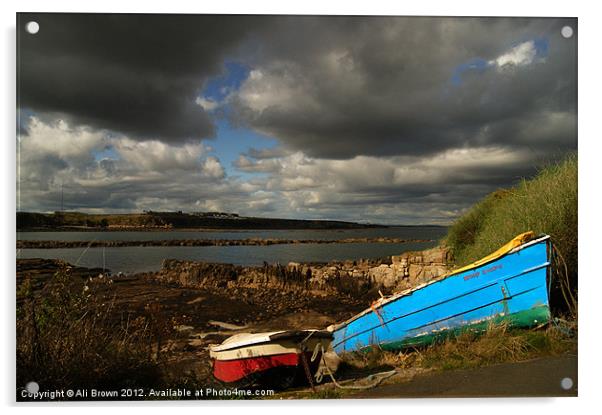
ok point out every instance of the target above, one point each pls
(201, 303)
(193, 316)
(337, 289)
(34, 244)
(357, 278)
(361, 280)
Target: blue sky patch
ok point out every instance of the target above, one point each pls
(541, 46)
(475, 64)
(219, 87)
(479, 65)
(108, 152)
(231, 142)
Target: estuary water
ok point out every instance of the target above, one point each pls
(138, 259)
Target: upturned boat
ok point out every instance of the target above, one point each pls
(511, 285)
(276, 359)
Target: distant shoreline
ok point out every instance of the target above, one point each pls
(29, 244)
(147, 229)
(162, 221)
(180, 221)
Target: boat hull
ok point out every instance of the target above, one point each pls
(277, 359)
(511, 288)
(281, 371)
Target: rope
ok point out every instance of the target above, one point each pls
(375, 310)
(383, 376)
(565, 287)
(85, 250)
(564, 330)
(307, 371)
(316, 351)
(319, 376)
(303, 348)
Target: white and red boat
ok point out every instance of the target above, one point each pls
(278, 359)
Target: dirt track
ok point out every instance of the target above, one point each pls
(534, 378)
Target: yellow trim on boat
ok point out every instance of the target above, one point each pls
(517, 241)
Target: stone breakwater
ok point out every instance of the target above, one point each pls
(356, 278)
(31, 244)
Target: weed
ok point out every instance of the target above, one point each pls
(67, 339)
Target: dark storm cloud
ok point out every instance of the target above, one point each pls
(136, 74)
(332, 86)
(339, 87)
(387, 119)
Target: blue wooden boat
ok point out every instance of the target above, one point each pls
(511, 284)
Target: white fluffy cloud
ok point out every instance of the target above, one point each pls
(206, 103)
(59, 139)
(98, 170)
(370, 188)
(213, 168)
(158, 156)
(102, 172)
(277, 87)
(520, 55)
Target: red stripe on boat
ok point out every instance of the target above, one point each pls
(235, 370)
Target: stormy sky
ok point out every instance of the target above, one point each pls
(375, 119)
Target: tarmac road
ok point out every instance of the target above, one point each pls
(533, 378)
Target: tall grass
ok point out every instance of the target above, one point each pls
(545, 204)
(66, 339)
(498, 344)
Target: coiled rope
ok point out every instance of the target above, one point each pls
(380, 376)
(319, 349)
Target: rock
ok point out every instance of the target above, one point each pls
(260, 284)
(196, 342)
(183, 328)
(397, 259)
(415, 271)
(437, 255)
(383, 275)
(434, 271)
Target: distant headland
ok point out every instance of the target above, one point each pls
(153, 220)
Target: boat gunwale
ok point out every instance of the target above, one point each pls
(386, 300)
(270, 337)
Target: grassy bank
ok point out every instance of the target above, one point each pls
(545, 204)
(499, 344)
